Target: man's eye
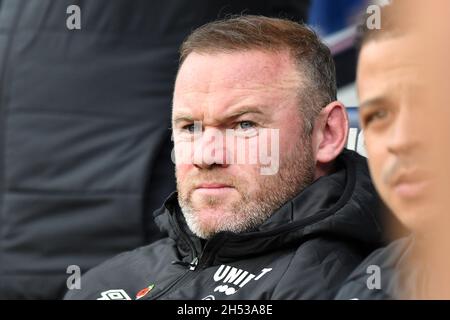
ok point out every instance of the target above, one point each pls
(246, 125)
(374, 116)
(190, 128)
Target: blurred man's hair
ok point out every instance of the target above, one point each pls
(397, 18)
(247, 32)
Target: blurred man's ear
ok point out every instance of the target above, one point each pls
(329, 136)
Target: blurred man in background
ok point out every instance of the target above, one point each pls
(403, 87)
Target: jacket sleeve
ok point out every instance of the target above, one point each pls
(317, 271)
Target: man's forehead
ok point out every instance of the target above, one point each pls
(251, 69)
(397, 62)
(392, 53)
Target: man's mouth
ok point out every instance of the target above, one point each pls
(410, 185)
(213, 188)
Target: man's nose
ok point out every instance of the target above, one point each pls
(211, 150)
(405, 133)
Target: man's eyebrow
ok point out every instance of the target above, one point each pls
(372, 102)
(183, 118)
(243, 111)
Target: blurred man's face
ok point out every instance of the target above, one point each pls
(397, 116)
(404, 89)
(253, 95)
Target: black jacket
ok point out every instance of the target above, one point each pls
(84, 129)
(395, 281)
(305, 250)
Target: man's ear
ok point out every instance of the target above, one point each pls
(330, 133)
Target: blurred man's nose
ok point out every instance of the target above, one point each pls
(404, 133)
(210, 149)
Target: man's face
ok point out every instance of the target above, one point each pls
(399, 117)
(254, 94)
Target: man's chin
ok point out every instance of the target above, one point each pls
(419, 215)
(212, 199)
(211, 214)
(211, 193)
(212, 220)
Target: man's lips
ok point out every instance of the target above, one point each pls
(409, 185)
(212, 186)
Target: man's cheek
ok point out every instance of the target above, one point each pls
(183, 152)
(376, 172)
(182, 170)
(376, 152)
(269, 151)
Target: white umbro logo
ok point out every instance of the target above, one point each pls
(114, 294)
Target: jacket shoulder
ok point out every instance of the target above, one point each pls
(122, 276)
(317, 269)
(363, 284)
